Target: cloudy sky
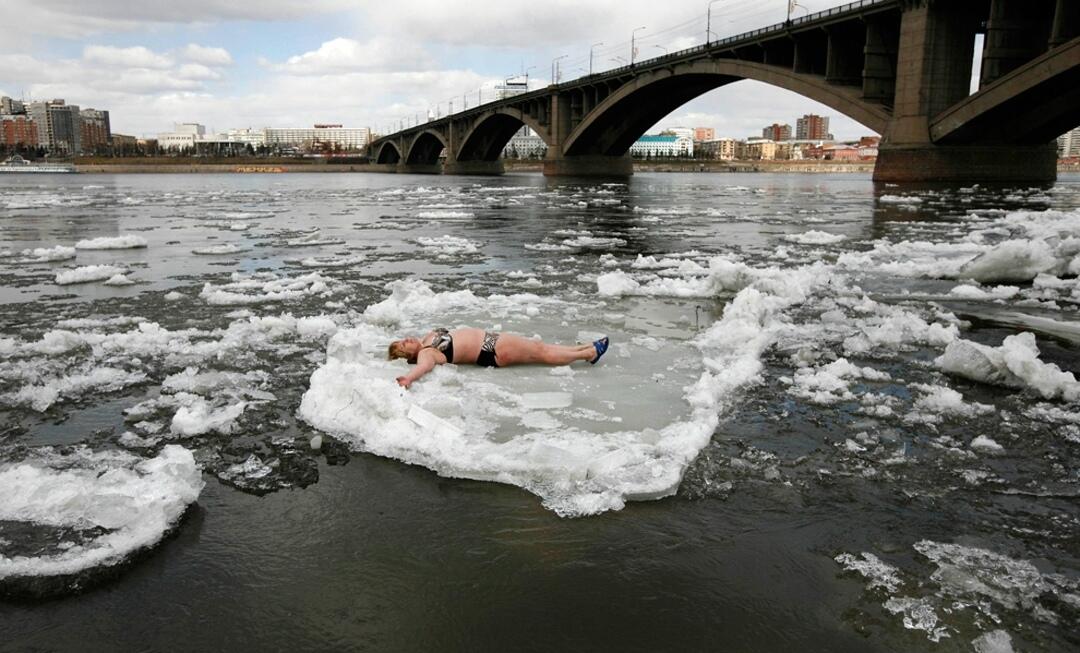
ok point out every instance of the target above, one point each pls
(279, 63)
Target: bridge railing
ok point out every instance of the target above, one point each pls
(745, 36)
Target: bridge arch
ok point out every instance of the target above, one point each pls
(490, 133)
(621, 118)
(425, 148)
(388, 153)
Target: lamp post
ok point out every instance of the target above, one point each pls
(662, 48)
(591, 48)
(708, 22)
(633, 46)
(527, 77)
(791, 8)
(555, 68)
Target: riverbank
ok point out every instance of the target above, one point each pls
(282, 165)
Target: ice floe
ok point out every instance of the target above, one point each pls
(263, 288)
(88, 274)
(1014, 364)
(87, 510)
(114, 242)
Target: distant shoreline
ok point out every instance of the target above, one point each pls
(262, 166)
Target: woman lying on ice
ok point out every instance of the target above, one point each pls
(486, 349)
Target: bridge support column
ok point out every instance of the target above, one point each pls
(1036, 164)
(588, 166)
(936, 47)
(419, 168)
(487, 168)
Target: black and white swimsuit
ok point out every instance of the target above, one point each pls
(487, 350)
(443, 343)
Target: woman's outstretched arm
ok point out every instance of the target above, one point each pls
(425, 362)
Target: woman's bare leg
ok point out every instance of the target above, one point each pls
(516, 350)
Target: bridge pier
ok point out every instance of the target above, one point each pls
(933, 74)
(588, 166)
(488, 168)
(1035, 164)
(418, 168)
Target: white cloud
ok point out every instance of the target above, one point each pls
(197, 71)
(135, 57)
(72, 19)
(208, 56)
(346, 55)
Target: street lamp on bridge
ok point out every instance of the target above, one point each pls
(555, 68)
(633, 46)
(591, 48)
(708, 23)
(662, 48)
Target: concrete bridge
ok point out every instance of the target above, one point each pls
(899, 67)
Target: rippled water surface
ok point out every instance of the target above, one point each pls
(834, 416)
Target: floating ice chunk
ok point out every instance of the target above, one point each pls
(174, 296)
(900, 199)
(548, 247)
(119, 280)
(121, 503)
(220, 250)
(40, 396)
(1012, 260)
(200, 416)
(316, 442)
(593, 242)
(116, 242)
(918, 614)
(251, 469)
(830, 383)
(978, 573)
(546, 400)
(967, 291)
(49, 254)
(258, 290)
(986, 445)
(815, 238)
(722, 275)
(938, 402)
(995, 641)
(448, 245)
(87, 274)
(440, 215)
(1014, 364)
(877, 573)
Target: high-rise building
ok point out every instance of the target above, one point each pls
(1069, 144)
(17, 130)
(10, 107)
(703, 134)
(59, 126)
(96, 132)
(812, 127)
(777, 132)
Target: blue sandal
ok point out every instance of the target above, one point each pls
(601, 346)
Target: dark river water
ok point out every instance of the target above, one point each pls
(834, 417)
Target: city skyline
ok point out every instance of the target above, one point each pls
(273, 65)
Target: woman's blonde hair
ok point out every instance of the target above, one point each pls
(397, 350)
